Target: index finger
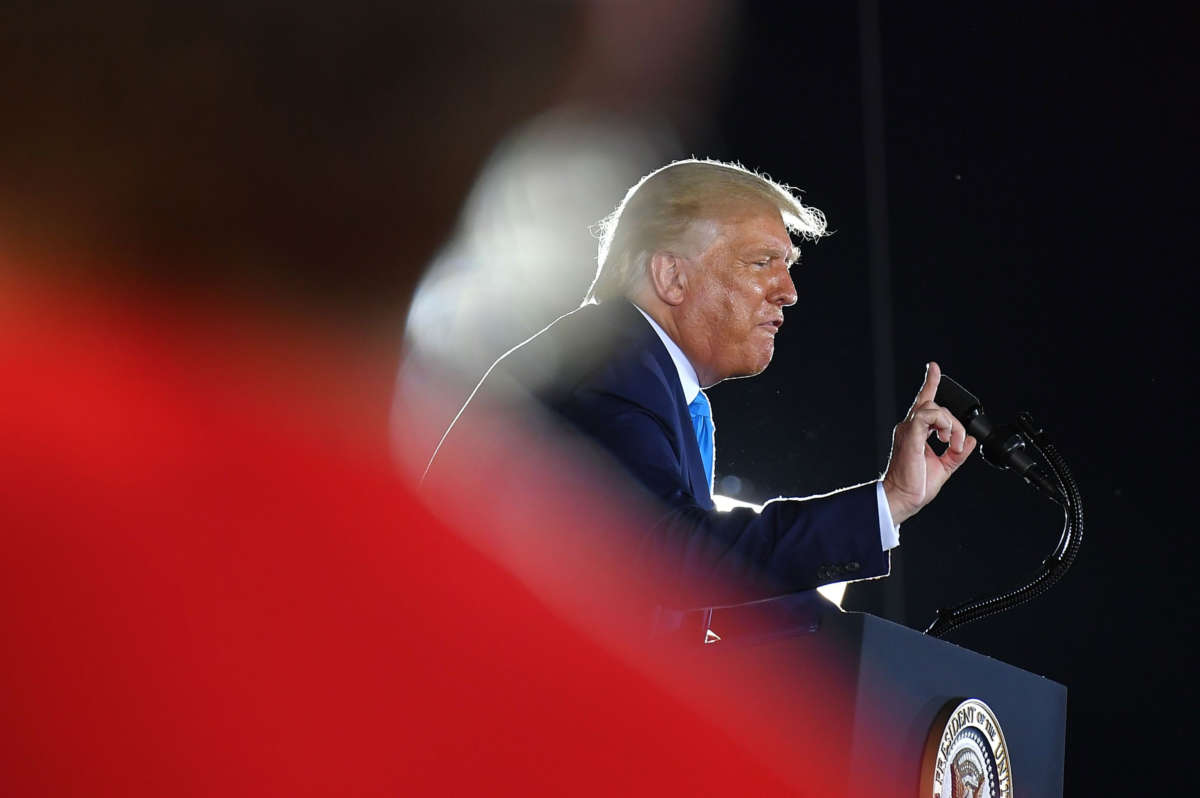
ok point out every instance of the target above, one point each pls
(933, 376)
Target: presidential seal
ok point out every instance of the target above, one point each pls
(966, 755)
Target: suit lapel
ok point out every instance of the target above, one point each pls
(677, 416)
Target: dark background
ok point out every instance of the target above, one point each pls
(1038, 161)
(1023, 194)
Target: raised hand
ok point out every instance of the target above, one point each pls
(915, 473)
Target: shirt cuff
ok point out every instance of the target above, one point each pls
(889, 533)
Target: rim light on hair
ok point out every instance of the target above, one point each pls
(661, 207)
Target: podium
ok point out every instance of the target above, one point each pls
(871, 697)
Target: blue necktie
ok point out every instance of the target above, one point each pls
(702, 423)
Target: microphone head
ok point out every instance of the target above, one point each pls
(961, 403)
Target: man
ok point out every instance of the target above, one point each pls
(691, 286)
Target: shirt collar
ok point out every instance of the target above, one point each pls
(687, 374)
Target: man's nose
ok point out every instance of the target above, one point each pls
(783, 290)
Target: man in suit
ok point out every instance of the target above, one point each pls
(692, 282)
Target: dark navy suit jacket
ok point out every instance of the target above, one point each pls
(604, 372)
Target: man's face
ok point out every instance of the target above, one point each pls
(736, 290)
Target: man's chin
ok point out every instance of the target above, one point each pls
(765, 359)
(751, 370)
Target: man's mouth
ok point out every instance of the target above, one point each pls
(773, 325)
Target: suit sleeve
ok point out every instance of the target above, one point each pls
(714, 557)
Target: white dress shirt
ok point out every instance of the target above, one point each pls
(889, 533)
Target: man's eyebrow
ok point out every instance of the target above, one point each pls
(788, 256)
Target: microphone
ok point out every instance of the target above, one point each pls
(1002, 446)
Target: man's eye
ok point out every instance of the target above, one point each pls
(763, 263)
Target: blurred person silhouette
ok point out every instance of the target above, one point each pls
(211, 220)
(691, 287)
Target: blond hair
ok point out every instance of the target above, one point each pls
(660, 208)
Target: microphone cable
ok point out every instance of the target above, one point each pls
(1053, 567)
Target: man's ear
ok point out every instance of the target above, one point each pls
(668, 277)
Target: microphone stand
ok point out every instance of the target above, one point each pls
(1053, 567)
